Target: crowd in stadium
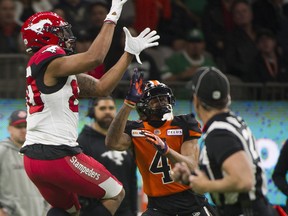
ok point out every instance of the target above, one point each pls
(245, 39)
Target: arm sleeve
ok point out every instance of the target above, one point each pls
(130, 125)
(44, 56)
(221, 144)
(280, 171)
(191, 127)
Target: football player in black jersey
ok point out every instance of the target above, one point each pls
(158, 141)
(230, 165)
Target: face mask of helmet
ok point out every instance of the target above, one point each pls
(66, 39)
(164, 110)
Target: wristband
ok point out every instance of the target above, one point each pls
(167, 151)
(131, 104)
(109, 22)
(164, 151)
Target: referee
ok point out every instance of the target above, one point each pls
(231, 169)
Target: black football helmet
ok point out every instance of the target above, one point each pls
(155, 89)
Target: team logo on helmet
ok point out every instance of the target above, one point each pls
(51, 49)
(38, 27)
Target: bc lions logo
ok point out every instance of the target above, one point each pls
(38, 27)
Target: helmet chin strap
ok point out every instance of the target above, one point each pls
(163, 114)
(169, 115)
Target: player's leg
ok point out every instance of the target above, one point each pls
(63, 202)
(74, 175)
(96, 182)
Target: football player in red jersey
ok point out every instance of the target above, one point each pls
(52, 157)
(159, 140)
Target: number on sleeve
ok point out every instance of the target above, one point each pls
(73, 102)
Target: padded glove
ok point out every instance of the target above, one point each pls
(158, 143)
(135, 90)
(115, 11)
(135, 45)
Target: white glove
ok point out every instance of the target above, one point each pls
(135, 45)
(115, 11)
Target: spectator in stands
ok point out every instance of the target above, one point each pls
(18, 195)
(280, 172)
(76, 13)
(270, 65)
(121, 164)
(172, 31)
(9, 30)
(84, 41)
(181, 66)
(261, 8)
(60, 12)
(26, 8)
(270, 14)
(196, 7)
(240, 48)
(149, 12)
(97, 13)
(217, 21)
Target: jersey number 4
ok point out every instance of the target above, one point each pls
(160, 165)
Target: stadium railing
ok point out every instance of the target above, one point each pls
(12, 84)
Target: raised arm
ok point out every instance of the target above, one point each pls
(91, 87)
(86, 61)
(95, 55)
(116, 138)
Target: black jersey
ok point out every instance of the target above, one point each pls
(224, 135)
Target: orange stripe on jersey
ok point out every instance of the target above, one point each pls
(194, 134)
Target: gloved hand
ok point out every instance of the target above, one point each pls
(135, 90)
(158, 143)
(135, 45)
(115, 11)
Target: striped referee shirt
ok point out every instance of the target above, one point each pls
(224, 135)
